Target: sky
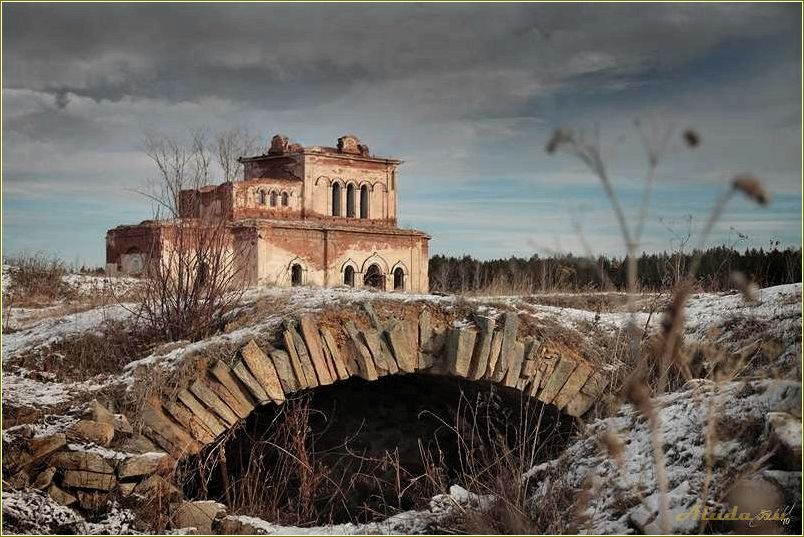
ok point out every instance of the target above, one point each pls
(466, 94)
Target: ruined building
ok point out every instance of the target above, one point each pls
(323, 216)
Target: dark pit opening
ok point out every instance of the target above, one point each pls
(359, 451)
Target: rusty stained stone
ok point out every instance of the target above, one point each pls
(516, 357)
(242, 372)
(337, 359)
(206, 417)
(213, 402)
(88, 480)
(42, 446)
(295, 361)
(44, 478)
(190, 421)
(284, 370)
(223, 373)
(199, 515)
(304, 357)
(494, 355)
(508, 349)
(480, 357)
(558, 378)
(309, 330)
(573, 385)
(262, 368)
(402, 337)
(81, 460)
(425, 332)
(92, 431)
(227, 397)
(145, 464)
(60, 496)
(383, 360)
(460, 345)
(367, 369)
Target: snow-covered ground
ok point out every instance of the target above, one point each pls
(778, 310)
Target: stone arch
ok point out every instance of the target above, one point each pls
(262, 196)
(321, 354)
(296, 272)
(365, 200)
(284, 199)
(399, 275)
(350, 199)
(273, 197)
(372, 259)
(346, 267)
(335, 199)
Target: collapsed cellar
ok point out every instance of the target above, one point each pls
(311, 352)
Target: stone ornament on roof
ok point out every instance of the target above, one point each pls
(350, 144)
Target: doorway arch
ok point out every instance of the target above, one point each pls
(374, 277)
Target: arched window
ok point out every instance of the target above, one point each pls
(349, 276)
(364, 201)
(350, 201)
(336, 199)
(374, 277)
(262, 197)
(399, 279)
(273, 199)
(295, 275)
(284, 199)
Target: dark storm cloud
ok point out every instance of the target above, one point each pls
(465, 93)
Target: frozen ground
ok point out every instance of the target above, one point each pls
(725, 317)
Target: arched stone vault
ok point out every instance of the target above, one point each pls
(317, 354)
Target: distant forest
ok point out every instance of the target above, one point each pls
(517, 275)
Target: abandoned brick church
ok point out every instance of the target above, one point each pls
(322, 216)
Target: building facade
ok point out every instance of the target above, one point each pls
(323, 216)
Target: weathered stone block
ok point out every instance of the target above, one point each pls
(480, 357)
(223, 373)
(573, 385)
(256, 390)
(189, 421)
(299, 369)
(332, 347)
(383, 360)
(309, 330)
(180, 441)
(88, 480)
(494, 355)
(515, 365)
(460, 346)
(91, 431)
(213, 402)
(227, 397)
(199, 515)
(557, 379)
(402, 338)
(81, 460)
(425, 333)
(44, 478)
(367, 369)
(145, 464)
(61, 497)
(507, 347)
(304, 357)
(284, 370)
(42, 446)
(92, 501)
(263, 370)
(200, 411)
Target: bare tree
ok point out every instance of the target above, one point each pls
(195, 270)
(228, 146)
(180, 165)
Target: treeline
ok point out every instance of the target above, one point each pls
(517, 275)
